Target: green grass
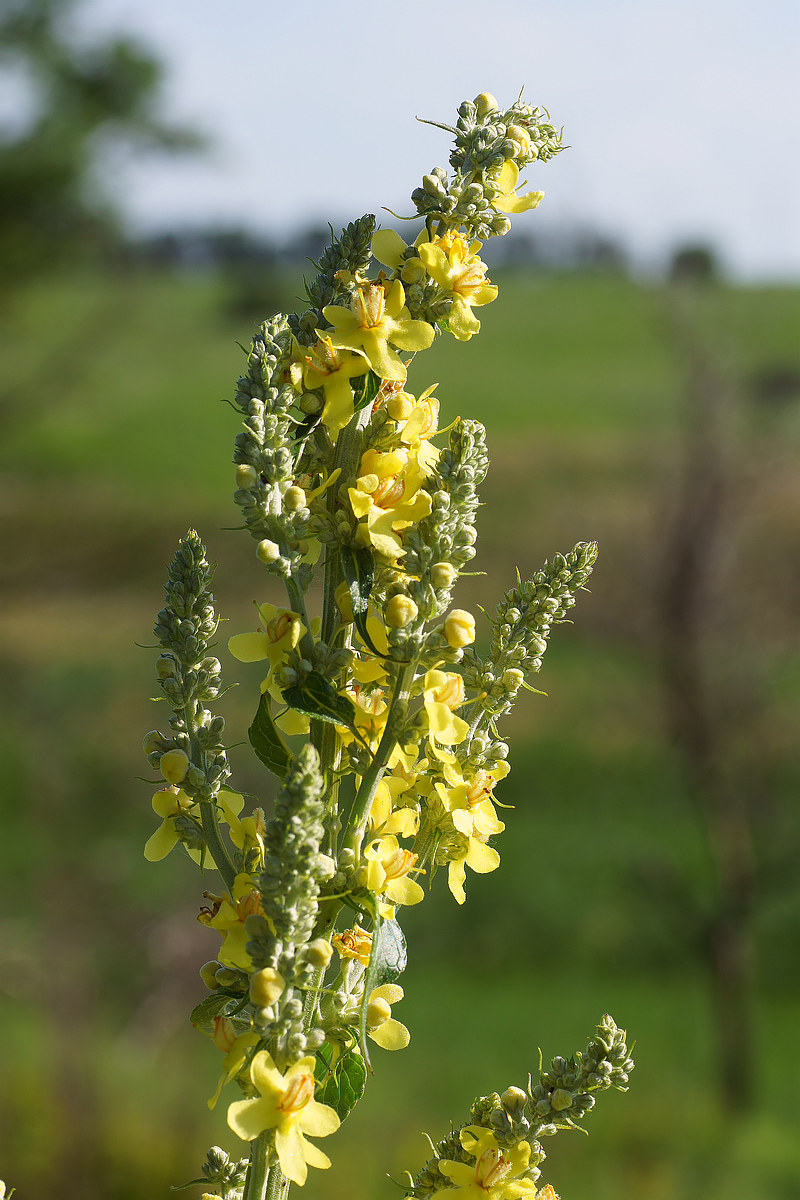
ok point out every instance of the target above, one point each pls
(114, 441)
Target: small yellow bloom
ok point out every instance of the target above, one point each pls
(331, 368)
(455, 266)
(168, 803)
(228, 918)
(286, 1104)
(389, 494)
(507, 200)
(477, 856)
(377, 317)
(353, 943)
(400, 611)
(388, 869)
(496, 1172)
(381, 1025)
(266, 986)
(443, 692)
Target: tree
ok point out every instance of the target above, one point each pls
(82, 94)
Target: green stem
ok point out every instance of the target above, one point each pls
(215, 844)
(374, 773)
(208, 810)
(259, 1175)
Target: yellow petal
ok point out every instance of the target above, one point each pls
(391, 1035)
(388, 247)
(249, 647)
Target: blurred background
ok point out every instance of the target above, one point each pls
(166, 172)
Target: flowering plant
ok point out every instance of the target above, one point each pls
(377, 716)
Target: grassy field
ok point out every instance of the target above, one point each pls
(114, 442)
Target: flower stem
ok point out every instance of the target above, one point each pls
(259, 1175)
(372, 776)
(215, 844)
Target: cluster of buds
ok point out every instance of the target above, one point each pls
(377, 717)
(507, 1128)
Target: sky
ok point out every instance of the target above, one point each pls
(683, 116)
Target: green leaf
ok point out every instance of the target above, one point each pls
(343, 1085)
(358, 568)
(267, 742)
(365, 389)
(202, 1015)
(319, 698)
(387, 962)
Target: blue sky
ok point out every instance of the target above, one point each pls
(683, 117)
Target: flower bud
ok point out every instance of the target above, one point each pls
(318, 953)
(442, 574)
(344, 602)
(174, 765)
(294, 498)
(520, 138)
(485, 103)
(225, 977)
(268, 552)
(310, 403)
(400, 611)
(246, 477)
(325, 867)
(459, 628)
(513, 1099)
(378, 1012)
(513, 679)
(400, 406)
(208, 974)
(266, 986)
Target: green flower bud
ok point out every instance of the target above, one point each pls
(318, 953)
(246, 477)
(294, 498)
(208, 974)
(174, 766)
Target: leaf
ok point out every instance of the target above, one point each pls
(267, 742)
(365, 389)
(358, 568)
(319, 698)
(343, 1085)
(387, 962)
(202, 1015)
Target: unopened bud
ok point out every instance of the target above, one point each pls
(400, 611)
(459, 628)
(268, 552)
(246, 477)
(513, 679)
(266, 986)
(225, 977)
(208, 974)
(518, 135)
(150, 742)
(400, 406)
(318, 953)
(378, 1012)
(294, 498)
(485, 103)
(442, 574)
(344, 602)
(513, 1099)
(325, 867)
(174, 765)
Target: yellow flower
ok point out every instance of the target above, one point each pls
(374, 319)
(477, 856)
(168, 803)
(286, 1104)
(353, 943)
(507, 200)
(455, 266)
(389, 494)
(470, 806)
(228, 918)
(332, 369)
(381, 1025)
(278, 634)
(384, 818)
(388, 868)
(443, 692)
(495, 1173)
